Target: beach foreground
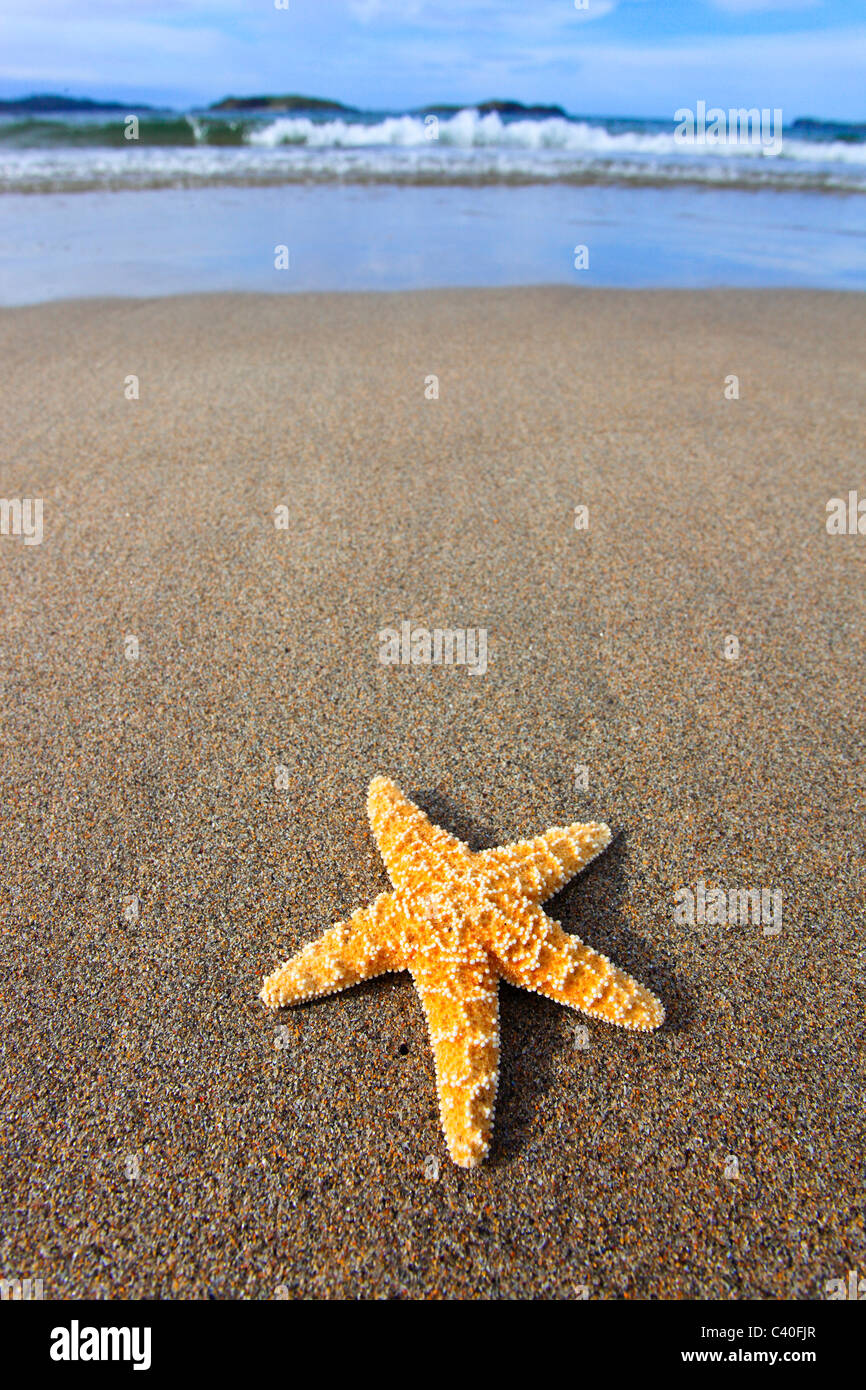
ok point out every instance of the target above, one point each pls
(194, 705)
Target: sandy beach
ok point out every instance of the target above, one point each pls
(193, 706)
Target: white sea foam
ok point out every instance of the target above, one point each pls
(468, 129)
(470, 149)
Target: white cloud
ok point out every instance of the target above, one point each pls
(367, 10)
(497, 16)
(760, 6)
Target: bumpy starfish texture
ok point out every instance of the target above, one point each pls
(459, 921)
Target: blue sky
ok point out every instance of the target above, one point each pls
(618, 57)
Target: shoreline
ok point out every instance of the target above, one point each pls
(355, 237)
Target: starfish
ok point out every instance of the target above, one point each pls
(460, 921)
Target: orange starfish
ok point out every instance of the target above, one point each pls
(458, 921)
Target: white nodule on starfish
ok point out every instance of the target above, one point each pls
(459, 922)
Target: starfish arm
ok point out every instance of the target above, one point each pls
(369, 943)
(462, 1011)
(417, 854)
(545, 864)
(540, 956)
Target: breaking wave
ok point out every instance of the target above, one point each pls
(467, 147)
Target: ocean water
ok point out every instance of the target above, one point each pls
(64, 153)
(201, 202)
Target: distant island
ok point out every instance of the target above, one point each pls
(48, 103)
(44, 104)
(317, 105)
(852, 131)
(500, 108)
(287, 103)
